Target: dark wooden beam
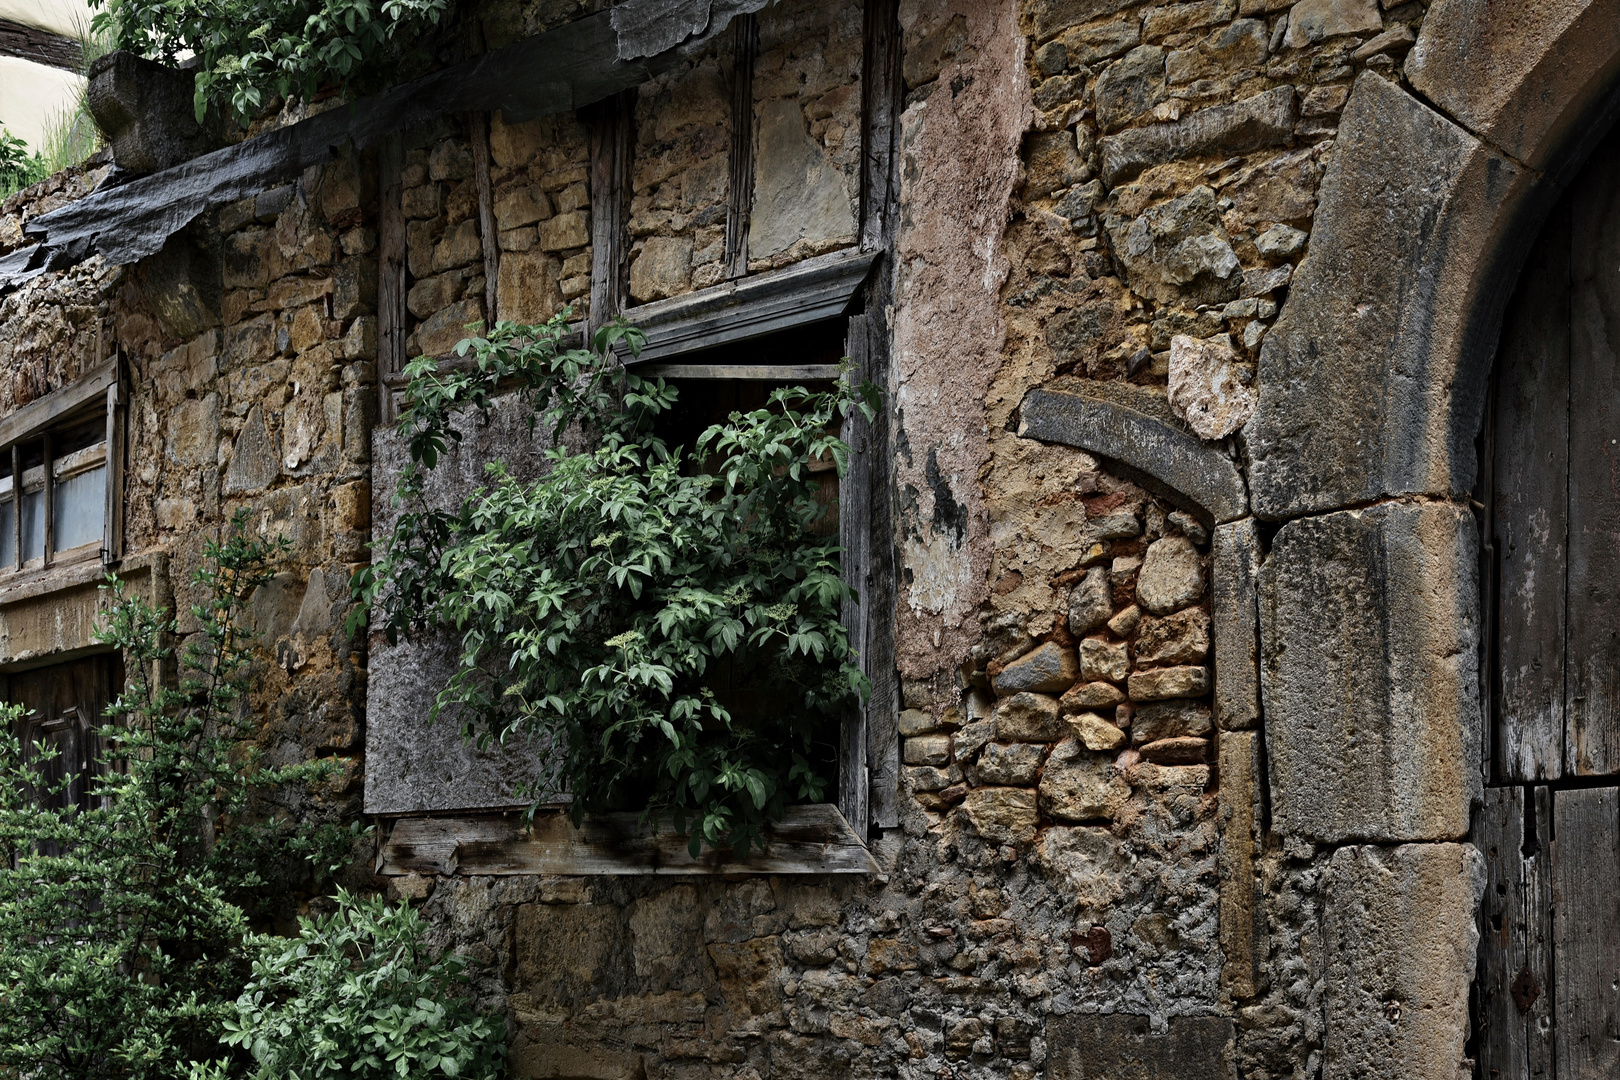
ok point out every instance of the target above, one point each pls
(882, 96)
(613, 140)
(808, 840)
(40, 46)
(390, 273)
(568, 68)
(478, 122)
(765, 372)
(740, 195)
(814, 290)
(855, 538)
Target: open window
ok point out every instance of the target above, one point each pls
(725, 348)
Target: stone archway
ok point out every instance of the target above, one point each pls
(1362, 448)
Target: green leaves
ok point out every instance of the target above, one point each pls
(121, 935)
(357, 996)
(254, 51)
(667, 617)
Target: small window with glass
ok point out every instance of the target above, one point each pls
(59, 466)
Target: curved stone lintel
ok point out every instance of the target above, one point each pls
(1525, 77)
(1371, 381)
(1172, 457)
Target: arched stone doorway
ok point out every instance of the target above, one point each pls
(1363, 450)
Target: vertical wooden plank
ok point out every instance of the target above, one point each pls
(390, 273)
(1514, 978)
(1540, 991)
(1529, 466)
(882, 93)
(883, 710)
(112, 522)
(1586, 932)
(854, 536)
(1592, 734)
(740, 197)
(479, 123)
(612, 126)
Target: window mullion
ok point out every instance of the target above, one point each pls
(47, 545)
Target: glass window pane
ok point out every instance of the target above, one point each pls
(81, 505)
(33, 522)
(8, 535)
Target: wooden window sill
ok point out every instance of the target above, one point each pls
(808, 840)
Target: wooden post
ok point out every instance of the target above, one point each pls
(48, 503)
(881, 97)
(855, 537)
(390, 273)
(16, 500)
(740, 196)
(112, 531)
(612, 126)
(882, 94)
(479, 122)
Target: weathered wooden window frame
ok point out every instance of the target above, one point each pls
(821, 839)
(856, 284)
(100, 388)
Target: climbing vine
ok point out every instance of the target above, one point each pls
(665, 617)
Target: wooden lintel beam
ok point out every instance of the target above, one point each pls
(40, 46)
(808, 840)
(766, 372)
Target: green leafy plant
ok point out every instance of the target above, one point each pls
(357, 996)
(18, 168)
(664, 616)
(121, 949)
(254, 51)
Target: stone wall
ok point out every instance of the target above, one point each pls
(1109, 199)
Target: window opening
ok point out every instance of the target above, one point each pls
(58, 478)
(739, 376)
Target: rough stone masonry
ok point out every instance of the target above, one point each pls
(1187, 624)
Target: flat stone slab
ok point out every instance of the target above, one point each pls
(1172, 456)
(1369, 671)
(1251, 124)
(1400, 944)
(1121, 1046)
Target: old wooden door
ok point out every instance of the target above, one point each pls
(1548, 991)
(64, 704)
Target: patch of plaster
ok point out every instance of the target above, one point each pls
(958, 170)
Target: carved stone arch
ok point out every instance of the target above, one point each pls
(1198, 475)
(1163, 451)
(1372, 382)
